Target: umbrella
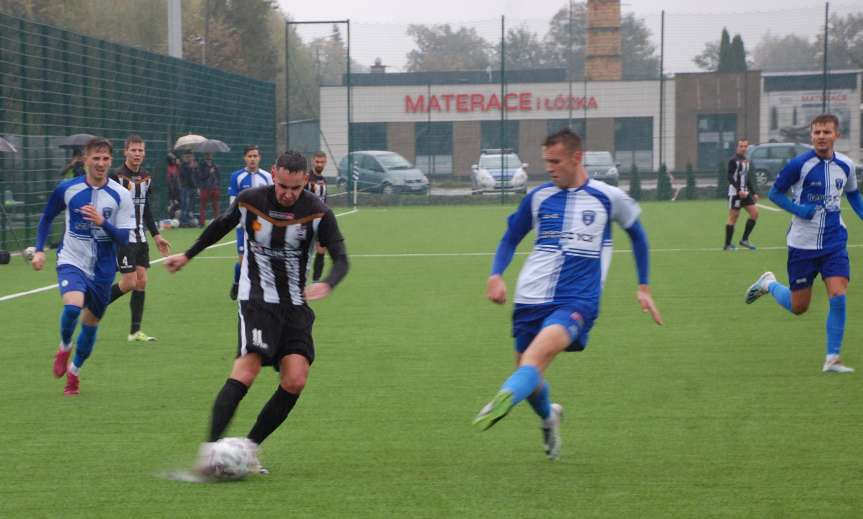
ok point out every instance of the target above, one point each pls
(76, 141)
(6, 146)
(187, 142)
(212, 146)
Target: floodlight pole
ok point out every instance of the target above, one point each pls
(824, 72)
(661, 83)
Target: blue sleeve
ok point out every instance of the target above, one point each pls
(805, 211)
(641, 251)
(789, 175)
(518, 225)
(55, 204)
(120, 236)
(232, 185)
(856, 202)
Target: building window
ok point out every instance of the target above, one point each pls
(717, 139)
(491, 135)
(434, 147)
(368, 136)
(633, 142)
(577, 125)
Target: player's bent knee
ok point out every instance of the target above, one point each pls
(799, 309)
(294, 385)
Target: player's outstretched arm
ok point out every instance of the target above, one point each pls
(641, 251)
(176, 262)
(214, 232)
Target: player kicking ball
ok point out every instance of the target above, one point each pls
(817, 239)
(559, 287)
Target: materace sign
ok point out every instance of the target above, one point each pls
(511, 102)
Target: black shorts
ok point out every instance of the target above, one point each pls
(735, 202)
(273, 331)
(133, 255)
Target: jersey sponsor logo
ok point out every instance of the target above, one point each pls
(588, 217)
(258, 339)
(580, 236)
(257, 248)
(280, 215)
(549, 216)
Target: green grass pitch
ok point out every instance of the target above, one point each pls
(721, 412)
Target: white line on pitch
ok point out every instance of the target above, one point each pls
(762, 206)
(159, 260)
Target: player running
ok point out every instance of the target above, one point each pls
(817, 238)
(559, 287)
(98, 219)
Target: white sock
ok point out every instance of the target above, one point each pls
(65, 347)
(73, 369)
(831, 357)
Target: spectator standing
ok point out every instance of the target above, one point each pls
(208, 188)
(188, 185)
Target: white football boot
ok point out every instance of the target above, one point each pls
(551, 432)
(760, 287)
(833, 364)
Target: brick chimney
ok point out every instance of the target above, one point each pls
(603, 40)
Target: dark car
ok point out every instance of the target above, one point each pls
(384, 172)
(601, 166)
(767, 160)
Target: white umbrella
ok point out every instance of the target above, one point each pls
(211, 146)
(187, 142)
(6, 146)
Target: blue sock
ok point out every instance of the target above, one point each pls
(781, 294)
(835, 324)
(68, 321)
(86, 340)
(237, 272)
(540, 401)
(522, 383)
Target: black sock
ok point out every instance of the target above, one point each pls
(750, 224)
(115, 292)
(272, 415)
(136, 303)
(318, 266)
(729, 232)
(223, 408)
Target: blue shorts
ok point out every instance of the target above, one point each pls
(804, 265)
(241, 241)
(529, 320)
(96, 294)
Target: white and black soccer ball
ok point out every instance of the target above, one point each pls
(229, 459)
(28, 253)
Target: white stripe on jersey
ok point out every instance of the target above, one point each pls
(265, 269)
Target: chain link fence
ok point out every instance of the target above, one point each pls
(54, 83)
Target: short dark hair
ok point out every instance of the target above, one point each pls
(133, 139)
(565, 136)
(96, 144)
(293, 161)
(320, 153)
(250, 147)
(824, 119)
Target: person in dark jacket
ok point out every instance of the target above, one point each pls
(208, 188)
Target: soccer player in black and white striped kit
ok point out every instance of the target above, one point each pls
(133, 259)
(282, 223)
(741, 193)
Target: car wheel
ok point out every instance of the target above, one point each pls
(387, 189)
(762, 177)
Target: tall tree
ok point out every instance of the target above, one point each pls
(438, 47)
(726, 55)
(724, 52)
(524, 50)
(844, 42)
(784, 54)
(737, 55)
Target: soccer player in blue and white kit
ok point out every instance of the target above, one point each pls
(99, 216)
(250, 176)
(817, 236)
(559, 287)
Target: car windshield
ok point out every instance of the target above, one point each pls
(510, 160)
(393, 161)
(597, 158)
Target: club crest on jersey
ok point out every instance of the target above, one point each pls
(256, 226)
(839, 183)
(106, 213)
(588, 217)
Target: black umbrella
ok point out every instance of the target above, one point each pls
(6, 146)
(76, 141)
(212, 146)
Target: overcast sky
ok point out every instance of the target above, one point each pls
(379, 31)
